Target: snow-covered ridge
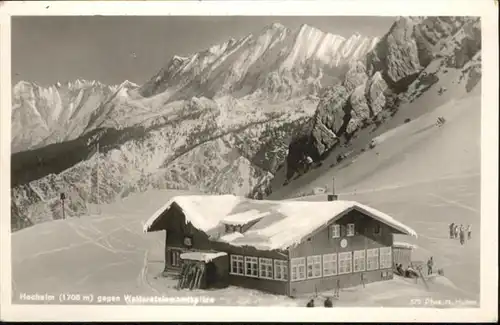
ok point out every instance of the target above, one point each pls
(330, 49)
(55, 113)
(309, 43)
(24, 85)
(293, 59)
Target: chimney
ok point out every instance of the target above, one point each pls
(333, 196)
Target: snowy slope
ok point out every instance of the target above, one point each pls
(108, 254)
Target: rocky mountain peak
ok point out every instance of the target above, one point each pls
(405, 63)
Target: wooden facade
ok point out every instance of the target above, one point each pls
(353, 234)
(368, 234)
(177, 230)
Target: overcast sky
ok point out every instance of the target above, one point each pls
(51, 49)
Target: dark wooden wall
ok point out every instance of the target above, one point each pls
(322, 243)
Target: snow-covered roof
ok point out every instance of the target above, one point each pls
(286, 223)
(227, 238)
(399, 244)
(203, 211)
(201, 256)
(243, 218)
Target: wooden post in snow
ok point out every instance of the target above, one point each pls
(63, 197)
(336, 294)
(333, 196)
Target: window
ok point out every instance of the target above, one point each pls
(237, 264)
(232, 228)
(335, 231)
(377, 230)
(385, 257)
(314, 266)
(329, 264)
(280, 270)
(372, 259)
(350, 229)
(359, 261)
(298, 268)
(175, 257)
(345, 262)
(266, 268)
(251, 266)
(188, 241)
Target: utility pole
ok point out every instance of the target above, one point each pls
(333, 196)
(63, 197)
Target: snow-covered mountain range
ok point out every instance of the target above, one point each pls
(278, 63)
(221, 120)
(57, 113)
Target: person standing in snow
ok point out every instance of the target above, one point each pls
(469, 232)
(452, 230)
(462, 235)
(430, 264)
(457, 230)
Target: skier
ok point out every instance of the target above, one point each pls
(308, 163)
(452, 230)
(310, 303)
(328, 302)
(430, 264)
(469, 232)
(457, 230)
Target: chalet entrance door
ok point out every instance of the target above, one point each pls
(211, 274)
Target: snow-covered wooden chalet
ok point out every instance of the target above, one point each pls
(288, 247)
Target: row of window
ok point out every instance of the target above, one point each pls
(313, 266)
(342, 263)
(259, 267)
(350, 230)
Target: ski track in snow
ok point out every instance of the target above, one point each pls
(96, 271)
(456, 203)
(72, 246)
(410, 184)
